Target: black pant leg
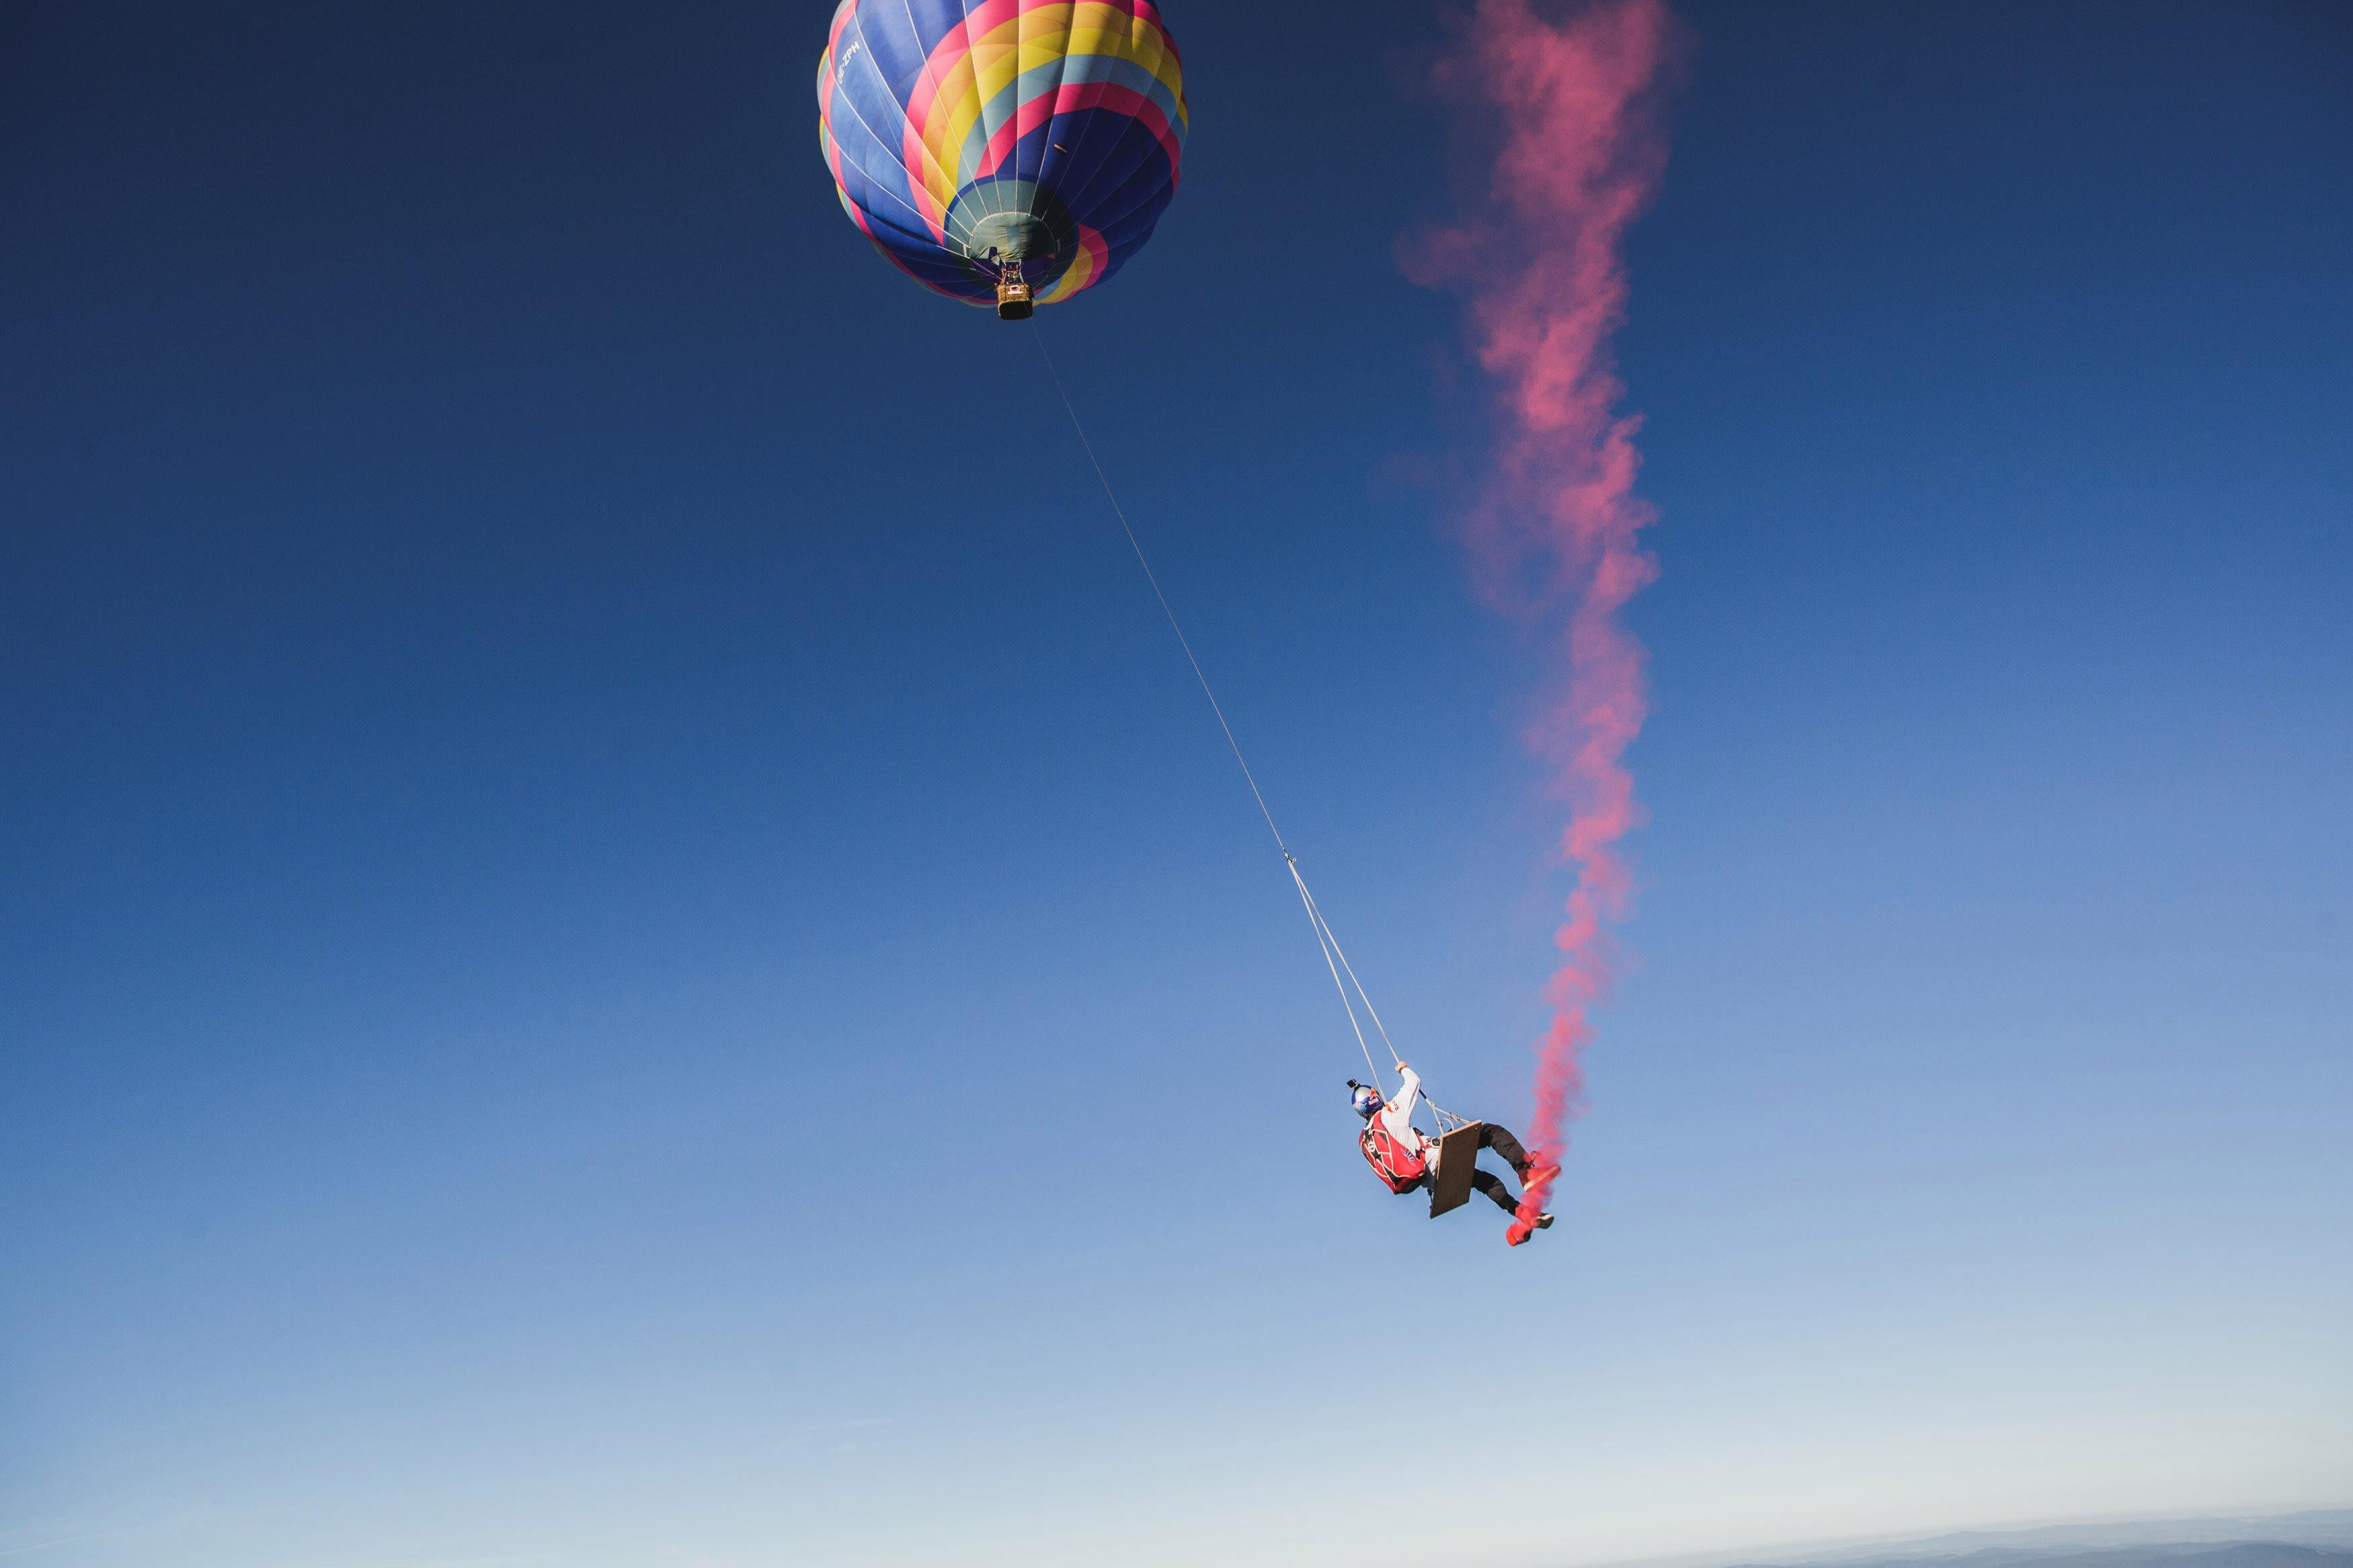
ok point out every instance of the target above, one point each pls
(1501, 1141)
(1492, 1185)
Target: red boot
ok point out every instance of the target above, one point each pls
(1519, 1231)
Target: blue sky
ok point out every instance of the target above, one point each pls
(624, 940)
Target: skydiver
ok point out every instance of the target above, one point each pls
(1403, 1156)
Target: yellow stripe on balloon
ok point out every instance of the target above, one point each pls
(1080, 272)
(998, 56)
(1045, 35)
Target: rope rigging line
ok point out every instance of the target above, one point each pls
(1316, 913)
(1150, 576)
(1323, 943)
(1324, 939)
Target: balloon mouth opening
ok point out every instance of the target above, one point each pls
(1011, 227)
(1003, 238)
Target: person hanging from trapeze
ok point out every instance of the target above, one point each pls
(1408, 1160)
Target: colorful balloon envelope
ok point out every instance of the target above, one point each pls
(1003, 151)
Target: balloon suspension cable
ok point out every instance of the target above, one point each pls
(1323, 941)
(1334, 958)
(1332, 944)
(1152, 577)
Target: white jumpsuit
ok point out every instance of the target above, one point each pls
(1397, 1116)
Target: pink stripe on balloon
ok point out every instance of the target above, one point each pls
(1070, 98)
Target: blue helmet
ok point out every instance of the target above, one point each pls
(1366, 1100)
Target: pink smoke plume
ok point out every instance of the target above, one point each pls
(1555, 529)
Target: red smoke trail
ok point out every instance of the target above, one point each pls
(1555, 525)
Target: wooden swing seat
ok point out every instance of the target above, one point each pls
(1457, 1160)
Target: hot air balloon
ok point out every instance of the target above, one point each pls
(1003, 151)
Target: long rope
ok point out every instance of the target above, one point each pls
(1323, 943)
(1316, 913)
(1324, 939)
(1150, 576)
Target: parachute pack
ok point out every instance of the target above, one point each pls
(1400, 1167)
